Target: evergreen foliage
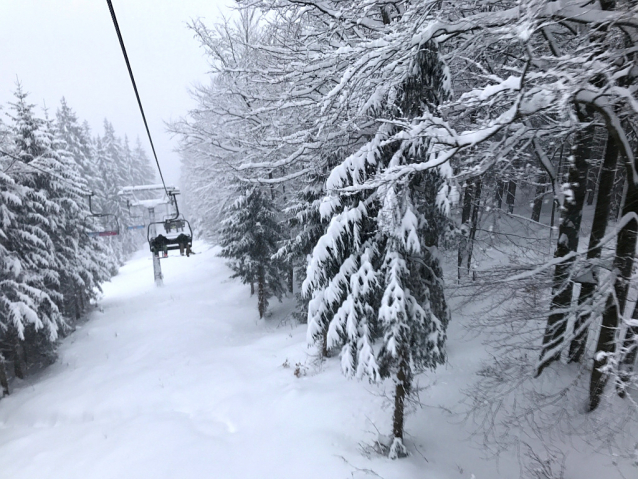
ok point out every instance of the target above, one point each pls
(306, 227)
(50, 270)
(346, 110)
(249, 236)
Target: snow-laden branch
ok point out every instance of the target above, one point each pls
(602, 104)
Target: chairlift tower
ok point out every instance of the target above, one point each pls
(181, 239)
(150, 205)
(157, 266)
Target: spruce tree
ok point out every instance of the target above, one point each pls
(105, 198)
(306, 226)
(37, 219)
(50, 269)
(143, 171)
(249, 238)
(87, 256)
(374, 276)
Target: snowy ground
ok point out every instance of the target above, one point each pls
(184, 382)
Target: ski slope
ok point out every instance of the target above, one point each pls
(184, 381)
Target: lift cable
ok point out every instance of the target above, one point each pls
(139, 102)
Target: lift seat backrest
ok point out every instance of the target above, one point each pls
(177, 225)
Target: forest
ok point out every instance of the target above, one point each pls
(53, 170)
(353, 151)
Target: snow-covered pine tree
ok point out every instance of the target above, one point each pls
(49, 269)
(63, 189)
(143, 172)
(19, 301)
(37, 319)
(249, 236)
(86, 258)
(383, 236)
(413, 311)
(106, 195)
(89, 170)
(77, 138)
(128, 177)
(306, 226)
(119, 155)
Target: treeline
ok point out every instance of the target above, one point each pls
(50, 268)
(379, 134)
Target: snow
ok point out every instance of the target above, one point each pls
(152, 203)
(511, 83)
(158, 187)
(185, 382)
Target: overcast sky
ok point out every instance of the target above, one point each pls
(69, 48)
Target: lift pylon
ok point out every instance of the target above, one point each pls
(173, 233)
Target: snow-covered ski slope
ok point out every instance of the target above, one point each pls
(184, 382)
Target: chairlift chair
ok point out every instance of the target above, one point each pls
(135, 218)
(178, 235)
(113, 225)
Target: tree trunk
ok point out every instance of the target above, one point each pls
(76, 308)
(19, 364)
(261, 293)
(599, 226)
(324, 342)
(538, 199)
(76, 303)
(272, 187)
(511, 196)
(615, 306)
(630, 351)
(291, 279)
(500, 189)
(468, 196)
(81, 300)
(618, 192)
(555, 201)
(568, 233)
(592, 178)
(4, 381)
(474, 222)
(252, 288)
(397, 449)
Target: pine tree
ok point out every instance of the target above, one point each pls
(105, 200)
(87, 257)
(29, 238)
(143, 171)
(307, 226)
(250, 235)
(19, 301)
(50, 269)
(375, 273)
(413, 311)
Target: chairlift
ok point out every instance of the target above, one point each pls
(135, 218)
(177, 234)
(109, 225)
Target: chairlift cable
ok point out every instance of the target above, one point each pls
(139, 101)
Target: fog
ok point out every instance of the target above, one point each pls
(69, 48)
